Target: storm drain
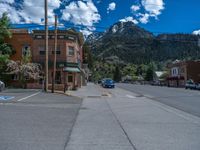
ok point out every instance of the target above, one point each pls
(94, 96)
(139, 95)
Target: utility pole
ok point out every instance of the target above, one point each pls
(46, 46)
(55, 52)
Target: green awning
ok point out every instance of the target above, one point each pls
(71, 69)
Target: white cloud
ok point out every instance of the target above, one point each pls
(81, 13)
(111, 7)
(127, 19)
(144, 18)
(13, 14)
(147, 9)
(31, 11)
(10, 1)
(153, 7)
(197, 32)
(86, 32)
(135, 7)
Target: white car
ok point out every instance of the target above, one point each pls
(198, 86)
(2, 85)
(190, 85)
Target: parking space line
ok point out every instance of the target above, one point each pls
(28, 96)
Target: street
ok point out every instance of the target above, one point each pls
(34, 120)
(133, 117)
(124, 120)
(180, 98)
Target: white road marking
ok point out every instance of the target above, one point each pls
(28, 96)
(130, 96)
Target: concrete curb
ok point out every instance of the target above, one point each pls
(66, 94)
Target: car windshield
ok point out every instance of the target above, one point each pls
(109, 81)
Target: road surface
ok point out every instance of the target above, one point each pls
(180, 98)
(34, 120)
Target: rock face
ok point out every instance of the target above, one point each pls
(131, 43)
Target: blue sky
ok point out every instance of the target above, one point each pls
(159, 16)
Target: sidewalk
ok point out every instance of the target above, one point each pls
(127, 121)
(91, 90)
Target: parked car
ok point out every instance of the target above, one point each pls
(102, 82)
(109, 83)
(190, 85)
(2, 85)
(198, 86)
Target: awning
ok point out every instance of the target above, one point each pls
(71, 69)
(176, 78)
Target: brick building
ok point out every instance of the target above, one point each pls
(181, 71)
(69, 72)
(21, 43)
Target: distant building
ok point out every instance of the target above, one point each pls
(69, 72)
(181, 71)
(159, 78)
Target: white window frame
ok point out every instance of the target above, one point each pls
(70, 52)
(26, 52)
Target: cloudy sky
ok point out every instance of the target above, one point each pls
(158, 16)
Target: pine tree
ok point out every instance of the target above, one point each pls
(117, 74)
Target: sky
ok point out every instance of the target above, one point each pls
(157, 16)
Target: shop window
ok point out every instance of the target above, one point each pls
(70, 78)
(58, 77)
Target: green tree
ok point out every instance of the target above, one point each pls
(150, 72)
(117, 74)
(5, 49)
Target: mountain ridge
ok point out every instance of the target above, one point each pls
(133, 44)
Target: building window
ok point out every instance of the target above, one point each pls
(175, 71)
(41, 50)
(58, 52)
(26, 50)
(15, 77)
(39, 36)
(70, 50)
(71, 38)
(70, 78)
(57, 77)
(61, 37)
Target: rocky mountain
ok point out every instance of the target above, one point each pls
(131, 43)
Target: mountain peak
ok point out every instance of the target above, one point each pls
(120, 26)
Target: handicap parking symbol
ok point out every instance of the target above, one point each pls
(5, 98)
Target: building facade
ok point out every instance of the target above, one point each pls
(21, 43)
(69, 55)
(181, 71)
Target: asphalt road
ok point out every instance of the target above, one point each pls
(123, 120)
(185, 100)
(34, 120)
